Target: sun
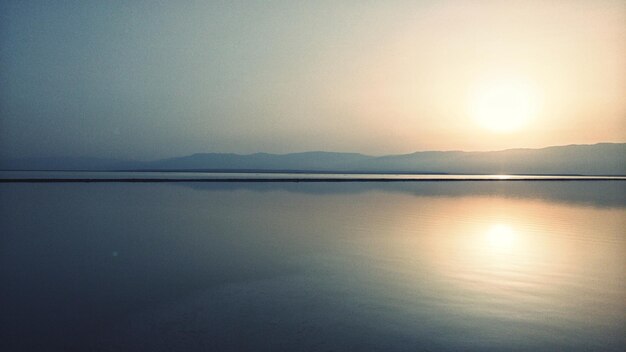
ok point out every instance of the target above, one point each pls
(503, 104)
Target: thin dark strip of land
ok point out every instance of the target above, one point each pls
(161, 180)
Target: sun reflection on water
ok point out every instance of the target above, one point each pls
(492, 268)
(501, 238)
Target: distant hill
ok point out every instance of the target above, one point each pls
(308, 161)
(597, 159)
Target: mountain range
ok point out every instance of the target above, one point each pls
(596, 159)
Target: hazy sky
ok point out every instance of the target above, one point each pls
(151, 79)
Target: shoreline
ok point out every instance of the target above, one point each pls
(304, 179)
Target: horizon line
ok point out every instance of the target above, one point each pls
(326, 151)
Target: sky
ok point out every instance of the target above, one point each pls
(153, 79)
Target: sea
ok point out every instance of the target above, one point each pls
(173, 261)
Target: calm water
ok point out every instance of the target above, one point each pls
(216, 176)
(441, 266)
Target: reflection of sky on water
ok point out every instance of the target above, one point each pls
(378, 267)
(604, 193)
(519, 270)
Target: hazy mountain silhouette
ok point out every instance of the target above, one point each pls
(263, 161)
(597, 159)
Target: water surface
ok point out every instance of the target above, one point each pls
(190, 176)
(474, 266)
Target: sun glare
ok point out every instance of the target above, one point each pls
(501, 237)
(503, 105)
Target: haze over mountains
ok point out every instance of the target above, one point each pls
(597, 159)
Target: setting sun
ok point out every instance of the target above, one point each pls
(503, 104)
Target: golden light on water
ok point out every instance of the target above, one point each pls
(499, 257)
(494, 246)
(501, 238)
